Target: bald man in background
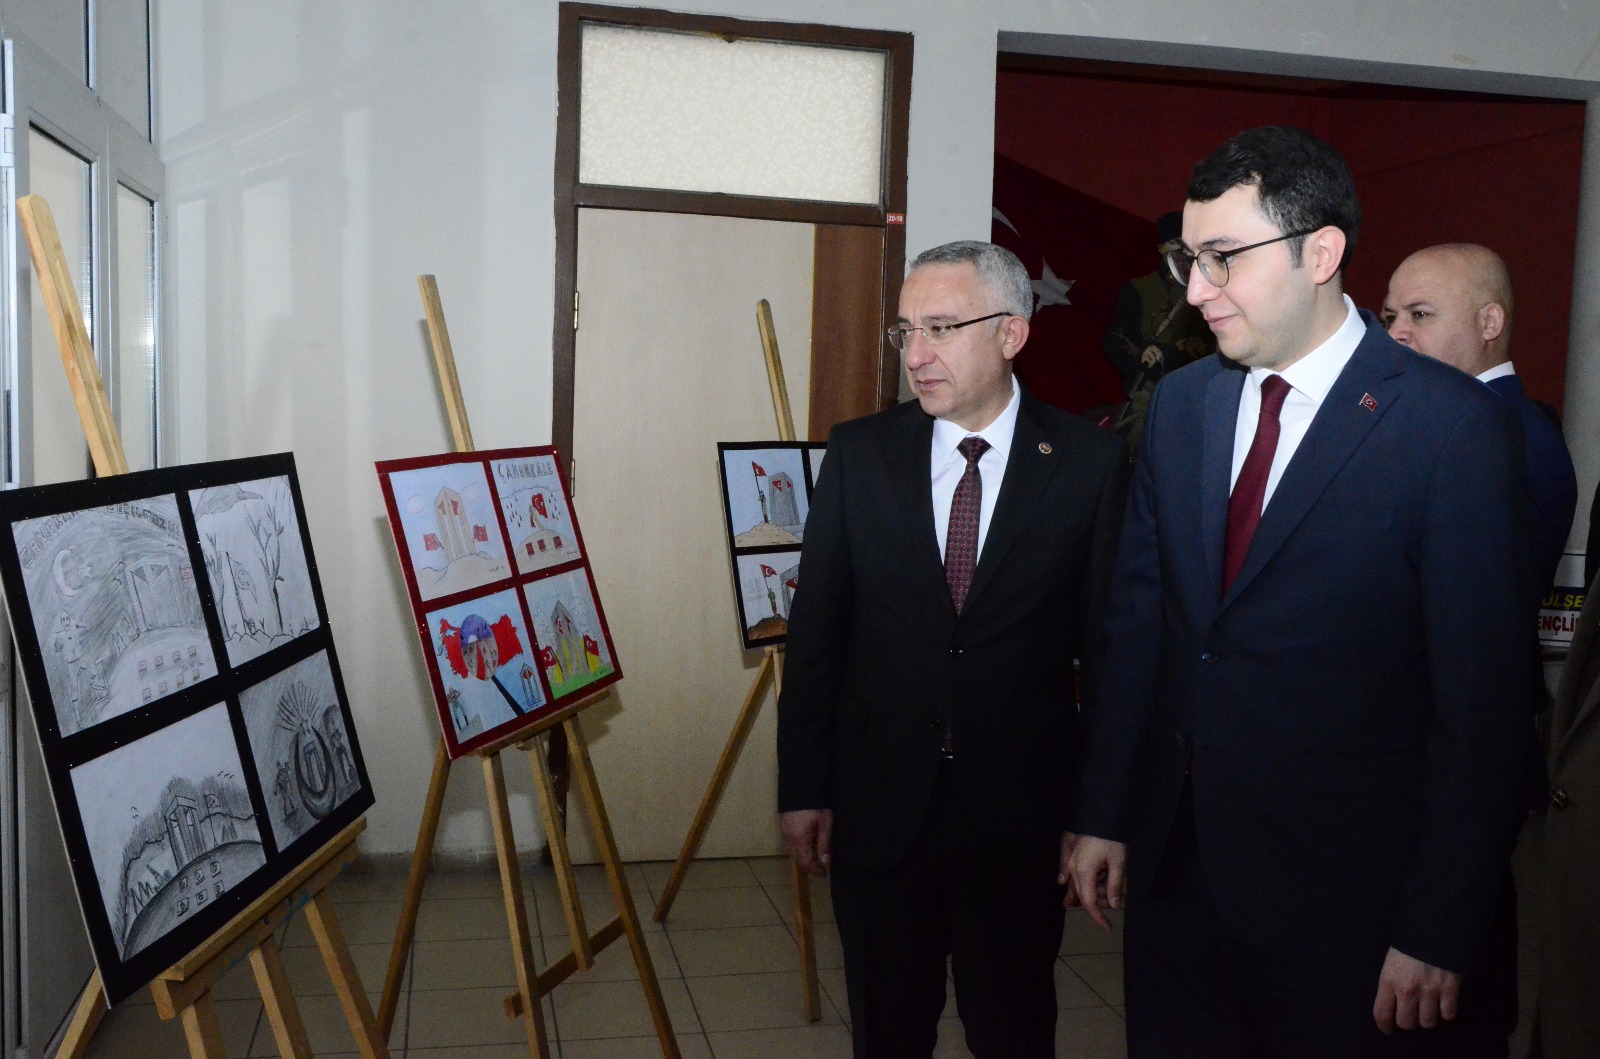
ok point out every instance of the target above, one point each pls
(1453, 303)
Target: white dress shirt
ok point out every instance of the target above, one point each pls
(1309, 378)
(1505, 367)
(948, 465)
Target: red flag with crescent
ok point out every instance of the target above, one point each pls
(760, 471)
(767, 571)
(430, 542)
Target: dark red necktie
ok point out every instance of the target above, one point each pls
(961, 539)
(1244, 506)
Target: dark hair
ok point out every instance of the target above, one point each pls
(1300, 180)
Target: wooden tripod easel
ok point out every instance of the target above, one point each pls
(771, 663)
(532, 984)
(183, 991)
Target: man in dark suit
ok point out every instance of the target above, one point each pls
(1305, 757)
(954, 565)
(1453, 303)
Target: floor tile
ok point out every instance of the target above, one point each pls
(615, 962)
(770, 871)
(690, 1045)
(466, 1018)
(1072, 991)
(820, 1041)
(137, 1032)
(327, 1029)
(1103, 972)
(701, 874)
(466, 964)
(590, 878)
(362, 922)
(599, 908)
(782, 895)
(309, 974)
(589, 1010)
(752, 1001)
(745, 906)
(1081, 935)
(734, 950)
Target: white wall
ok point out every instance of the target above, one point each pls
(321, 155)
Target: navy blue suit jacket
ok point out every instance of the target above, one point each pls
(1547, 468)
(1353, 708)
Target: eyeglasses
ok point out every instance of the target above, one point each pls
(936, 334)
(1214, 263)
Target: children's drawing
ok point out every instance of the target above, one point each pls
(767, 582)
(486, 663)
(452, 535)
(574, 649)
(169, 826)
(255, 565)
(766, 494)
(302, 749)
(115, 608)
(534, 504)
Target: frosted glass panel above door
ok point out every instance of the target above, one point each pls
(693, 112)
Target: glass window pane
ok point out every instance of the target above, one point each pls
(63, 179)
(122, 60)
(60, 27)
(692, 112)
(137, 376)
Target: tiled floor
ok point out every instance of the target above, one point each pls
(726, 960)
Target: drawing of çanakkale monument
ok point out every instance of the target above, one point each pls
(780, 511)
(201, 841)
(115, 607)
(456, 537)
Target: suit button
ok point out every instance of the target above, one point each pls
(957, 652)
(1208, 656)
(1558, 797)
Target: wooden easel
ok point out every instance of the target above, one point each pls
(532, 984)
(183, 991)
(771, 663)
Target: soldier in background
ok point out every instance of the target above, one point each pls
(1154, 331)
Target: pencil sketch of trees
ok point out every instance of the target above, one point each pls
(257, 562)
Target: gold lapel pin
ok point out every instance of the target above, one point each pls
(1044, 447)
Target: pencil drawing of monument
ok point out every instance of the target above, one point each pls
(115, 608)
(255, 565)
(301, 749)
(169, 825)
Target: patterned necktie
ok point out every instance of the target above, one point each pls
(1249, 492)
(961, 540)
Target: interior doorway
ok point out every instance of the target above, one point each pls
(669, 363)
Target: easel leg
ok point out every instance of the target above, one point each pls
(583, 771)
(719, 780)
(555, 829)
(505, 844)
(202, 1030)
(346, 982)
(421, 858)
(85, 1018)
(282, 1012)
(806, 935)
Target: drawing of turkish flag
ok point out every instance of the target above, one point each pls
(768, 571)
(431, 542)
(480, 534)
(589, 645)
(1079, 252)
(507, 644)
(538, 505)
(547, 657)
(760, 471)
(790, 584)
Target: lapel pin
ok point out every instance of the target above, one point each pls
(1044, 447)
(1369, 402)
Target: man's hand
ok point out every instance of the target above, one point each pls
(1412, 993)
(809, 835)
(1095, 876)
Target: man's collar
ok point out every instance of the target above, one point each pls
(1314, 374)
(1500, 370)
(947, 435)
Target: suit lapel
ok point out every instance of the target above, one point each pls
(1216, 467)
(909, 484)
(1028, 469)
(1340, 425)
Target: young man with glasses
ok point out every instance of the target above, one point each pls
(1306, 754)
(954, 565)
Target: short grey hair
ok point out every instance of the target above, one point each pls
(998, 269)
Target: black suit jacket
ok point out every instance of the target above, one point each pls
(1354, 708)
(878, 659)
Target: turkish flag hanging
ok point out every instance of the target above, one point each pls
(1079, 251)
